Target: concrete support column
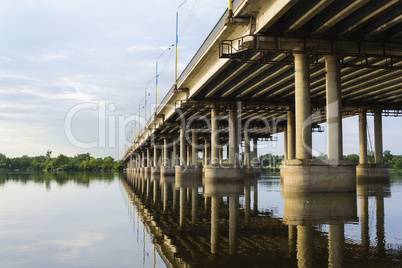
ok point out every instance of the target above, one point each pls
(291, 134)
(285, 144)
(148, 158)
(362, 138)
(165, 153)
(143, 159)
(334, 107)
(233, 142)
(188, 155)
(378, 137)
(194, 148)
(220, 155)
(174, 154)
(255, 156)
(206, 153)
(303, 107)
(155, 156)
(247, 156)
(183, 146)
(214, 137)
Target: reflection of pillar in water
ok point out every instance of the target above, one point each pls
(148, 187)
(292, 240)
(247, 203)
(194, 205)
(336, 241)
(255, 197)
(380, 226)
(155, 191)
(206, 203)
(182, 206)
(214, 224)
(233, 223)
(165, 196)
(304, 246)
(142, 185)
(364, 218)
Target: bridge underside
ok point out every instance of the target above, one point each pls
(284, 66)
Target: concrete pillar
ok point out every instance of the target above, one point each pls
(183, 146)
(303, 107)
(194, 148)
(291, 134)
(246, 149)
(336, 239)
(285, 144)
(174, 154)
(165, 153)
(334, 108)
(362, 138)
(206, 153)
(143, 159)
(214, 224)
(255, 155)
(188, 155)
(148, 160)
(378, 137)
(155, 156)
(214, 137)
(304, 246)
(220, 155)
(233, 142)
(233, 223)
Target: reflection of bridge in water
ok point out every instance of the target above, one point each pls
(221, 225)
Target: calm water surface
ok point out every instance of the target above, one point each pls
(125, 220)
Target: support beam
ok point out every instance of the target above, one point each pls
(334, 107)
(378, 137)
(155, 156)
(148, 160)
(174, 154)
(285, 145)
(362, 138)
(214, 137)
(303, 107)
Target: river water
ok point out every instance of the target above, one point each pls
(124, 220)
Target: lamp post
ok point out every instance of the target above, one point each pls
(177, 40)
(156, 77)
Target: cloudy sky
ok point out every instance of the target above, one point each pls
(77, 59)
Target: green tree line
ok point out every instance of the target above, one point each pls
(80, 162)
(395, 161)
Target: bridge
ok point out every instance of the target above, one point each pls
(281, 66)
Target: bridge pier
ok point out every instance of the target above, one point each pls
(304, 174)
(167, 169)
(231, 171)
(376, 171)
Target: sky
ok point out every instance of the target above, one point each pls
(72, 72)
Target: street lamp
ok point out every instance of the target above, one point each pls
(156, 77)
(177, 40)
